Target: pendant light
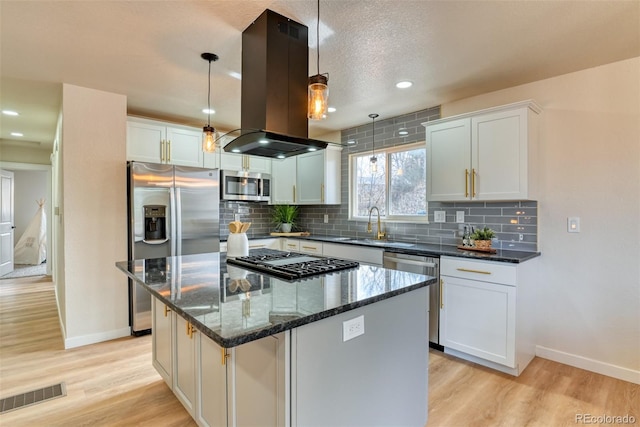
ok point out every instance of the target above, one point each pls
(318, 89)
(208, 132)
(373, 161)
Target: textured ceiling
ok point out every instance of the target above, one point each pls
(150, 52)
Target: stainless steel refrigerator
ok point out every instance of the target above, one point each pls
(173, 210)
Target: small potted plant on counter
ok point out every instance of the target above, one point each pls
(482, 237)
(285, 217)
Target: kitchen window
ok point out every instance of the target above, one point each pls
(396, 185)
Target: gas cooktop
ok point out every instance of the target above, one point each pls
(292, 265)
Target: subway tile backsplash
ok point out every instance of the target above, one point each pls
(515, 222)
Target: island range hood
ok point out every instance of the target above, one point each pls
(275, 73)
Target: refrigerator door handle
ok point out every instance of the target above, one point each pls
(172, 222)
(178, 220)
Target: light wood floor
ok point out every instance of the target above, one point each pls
(114, 384)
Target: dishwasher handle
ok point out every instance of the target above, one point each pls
(410, 262)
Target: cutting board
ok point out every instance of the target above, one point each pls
(299, 233)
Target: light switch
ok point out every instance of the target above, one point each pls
(459, 217)
(439, 216)
(573, 224)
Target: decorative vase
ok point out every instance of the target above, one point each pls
(237, 245)
(285, 227)
(483, 244)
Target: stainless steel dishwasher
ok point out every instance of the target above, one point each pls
(429, 266)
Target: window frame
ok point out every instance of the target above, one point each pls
(421, 219)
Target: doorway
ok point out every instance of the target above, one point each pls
(32, 182)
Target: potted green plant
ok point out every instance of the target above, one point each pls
(285, 217)
(482, 237)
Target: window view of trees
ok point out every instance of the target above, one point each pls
(396, 185)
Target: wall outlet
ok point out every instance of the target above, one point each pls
(326, 218)
(352, 328)
(236, 217)
(439, 216)
(459, 216)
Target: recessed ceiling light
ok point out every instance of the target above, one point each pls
(404, 84)
(331, 109)
(10, 113)
(208, 111)
(16, 134)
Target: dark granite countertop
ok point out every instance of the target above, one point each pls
(201, 288)
(421, 249)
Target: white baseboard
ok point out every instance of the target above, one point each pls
(592, 365)
(96, 338)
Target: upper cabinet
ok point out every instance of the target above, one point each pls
(308, 179)
(485, 155)
(237, 162)
(159, 142)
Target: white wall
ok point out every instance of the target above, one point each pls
(589, 166)
(93, 212)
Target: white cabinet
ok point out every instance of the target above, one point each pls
(485, 155)
(158, 142)
(162, 342)
(211, 409)
(243, 162)
(257, 244)
(240, 386)
(283, 180)
(292, 245)
(486, 312)
(311, 247)
(184, 367)
(308, 179)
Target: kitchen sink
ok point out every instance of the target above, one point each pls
(382, 243)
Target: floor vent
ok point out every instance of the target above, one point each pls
(32, 397)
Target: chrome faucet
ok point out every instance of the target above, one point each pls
(381, 234)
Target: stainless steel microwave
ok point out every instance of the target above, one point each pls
(247, 186)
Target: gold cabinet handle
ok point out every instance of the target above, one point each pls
(322, 193)
(168, 150)
(224, 356)
(473, 271)
(294, 194)
(441, 293)
(313, 248)
(473, 183)
(190, 330)
(466, 183)
(166, 310)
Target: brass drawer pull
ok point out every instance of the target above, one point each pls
(313, 248)
(466, 183)
(473, 271)
(166, 311)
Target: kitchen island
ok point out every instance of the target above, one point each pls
(239, 347)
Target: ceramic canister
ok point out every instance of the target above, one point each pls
(237, 245)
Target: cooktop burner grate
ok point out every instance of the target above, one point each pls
(293, 265)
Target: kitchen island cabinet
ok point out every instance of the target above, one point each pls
(298, 366)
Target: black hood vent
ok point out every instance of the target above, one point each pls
(275, 73)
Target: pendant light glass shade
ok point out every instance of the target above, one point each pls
(208, 132)
(318, 97)
(318, 90)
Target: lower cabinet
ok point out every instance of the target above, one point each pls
(373, 256)
(239, 386)
(486, 312)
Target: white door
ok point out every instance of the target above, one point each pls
(6, 222)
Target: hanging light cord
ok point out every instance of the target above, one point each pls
(318, 39)
(209, 97)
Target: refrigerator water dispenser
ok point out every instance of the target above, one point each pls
(155, 224)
